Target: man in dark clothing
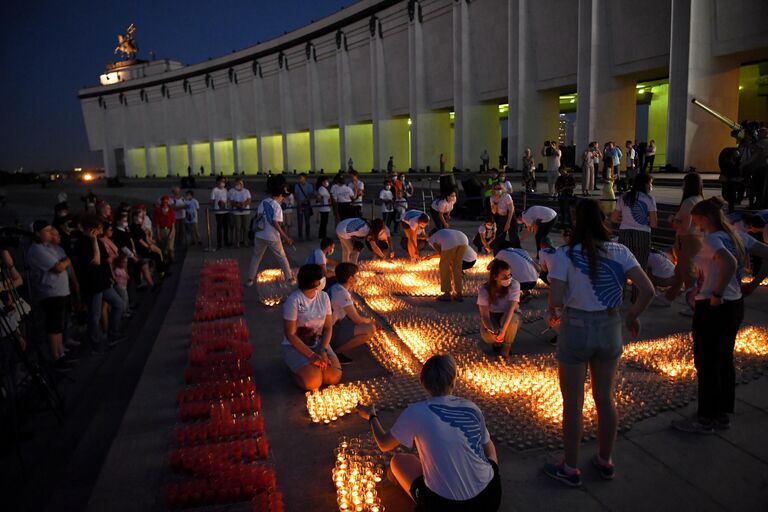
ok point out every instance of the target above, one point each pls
(564, 186)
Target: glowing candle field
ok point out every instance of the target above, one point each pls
(358, 468)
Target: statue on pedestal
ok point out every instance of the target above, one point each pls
(125, 43)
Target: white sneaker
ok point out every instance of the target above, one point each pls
(249, 283)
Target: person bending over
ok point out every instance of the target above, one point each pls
(486, 234)
(456, 468)
(414, 222)
(524, 270)
(350, 330)
(450, 244)
(379, 240)
(498, 301)
(307, 321)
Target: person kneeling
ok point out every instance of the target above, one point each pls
(498, 301)
(456, 468)
(308, 324)
(350, 330)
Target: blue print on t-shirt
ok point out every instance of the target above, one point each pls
(728, 243)
(355, 225)
(269, 212)
(465, 419)
(522, 253)
(640, 212)
(608, 286)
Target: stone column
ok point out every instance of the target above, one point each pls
(210, 109)
(694, 138)
(257, 106)
(234, 118)
(286, 110)
(378, 91)
(343, 89)
(313, 101)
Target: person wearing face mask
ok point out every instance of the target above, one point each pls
(350, 330)
(503, 210)
(718, 313)
(387, 200)
(486, 234)
(413, 223)
(320, 256)
(522, 268)
(401, 206)
(323, 196)
(442, 208)
(239, 199)
(506, 184)
(636, 215)
(269, 234)
(498, 301)
(165, 225)
(220, 213)
(403, 186)
(352, 233)
(308, 327)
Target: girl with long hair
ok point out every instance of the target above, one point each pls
(687, 237)
(636, 215)
(587, 284)
(498, 301)
(718, 313)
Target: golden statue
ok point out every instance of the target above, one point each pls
(125, 43)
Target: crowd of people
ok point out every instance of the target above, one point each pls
(586, 275)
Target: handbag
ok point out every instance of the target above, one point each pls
(306, 208)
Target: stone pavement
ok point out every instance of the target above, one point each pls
(657, 468)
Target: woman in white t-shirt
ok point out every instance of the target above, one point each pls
(450, 244)
(350, 329)
(387, 200)
(503, 210)
(342, 198)
(442, 208)
(413, 223)
(323, 205)
(587, 285)
(636, 215)
(379, 240)
(498, 301)
(457, 468)
(687, 239)
(308, 326)
(718, 313)
(352, 233)
(486, 234)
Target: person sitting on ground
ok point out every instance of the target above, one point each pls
(414, 222)
(442, 208)
(349, 231)
(498, 301)
(268, 235)
(486, 234)
(524, 270)
(320, 256)
(450, 244)
(539, 220)
(350, 330)
(379, 240)
(308, 326)
(457, 467)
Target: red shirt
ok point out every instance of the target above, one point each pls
(164, 220)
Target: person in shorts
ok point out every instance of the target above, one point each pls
(457, 468)
(586, 290)
(350, 330)
(307, 321)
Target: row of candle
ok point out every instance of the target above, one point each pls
(221, 443)
(358, 468)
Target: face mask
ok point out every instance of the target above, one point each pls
(502, 179)
(451, 199)
(325, 184)
(506, 283)
(124, 225)
(497, 192)
(321, 286)
(387, 187)
(239, 188)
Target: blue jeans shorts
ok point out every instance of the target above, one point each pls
(587, 335)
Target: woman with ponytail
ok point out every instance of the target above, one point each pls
(718, 313)
(587, 283)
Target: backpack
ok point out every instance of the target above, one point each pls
(258, 223)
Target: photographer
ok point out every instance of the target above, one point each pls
(552, 154)
(49, 280)
(11, 279)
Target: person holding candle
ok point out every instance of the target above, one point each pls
(349, 231)
(486, 234)
(718, 313)
(587, 286)
(442, 208)
(308, 326)
(538, 220)
(320, 256)
(379, 240)
(414, 222)
(350, 330)
(457, 467)
(450, 244)
(503, 210)
(498, 301)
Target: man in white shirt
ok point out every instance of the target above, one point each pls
(457, 467)
(358, 189)
(220, 213)
(631, 157)
(350, 330)
(450, 244)
(180, 209)
(240, 204)
(320, 256)
(342, 198)
(269, 234)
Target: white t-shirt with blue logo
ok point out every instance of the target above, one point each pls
(520, 263)
(547, 258)
(448, 239)
(272, 212)
(317, 257)
(352, 228)
(449, 433)
(411, 217)
(637, 216)
(709, 270)
(603, 292)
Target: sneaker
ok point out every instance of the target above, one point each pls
(72, 343)
(694, 425)
(722, 422)
(249, 283)
(606, 471)
(553, 341)
(343, 359)
(446, 297)
(557, 471)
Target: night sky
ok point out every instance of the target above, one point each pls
(50, 49)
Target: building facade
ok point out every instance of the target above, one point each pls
(413, 80)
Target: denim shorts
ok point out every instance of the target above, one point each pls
(296, 360)
(588, 335)
(343, 331)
